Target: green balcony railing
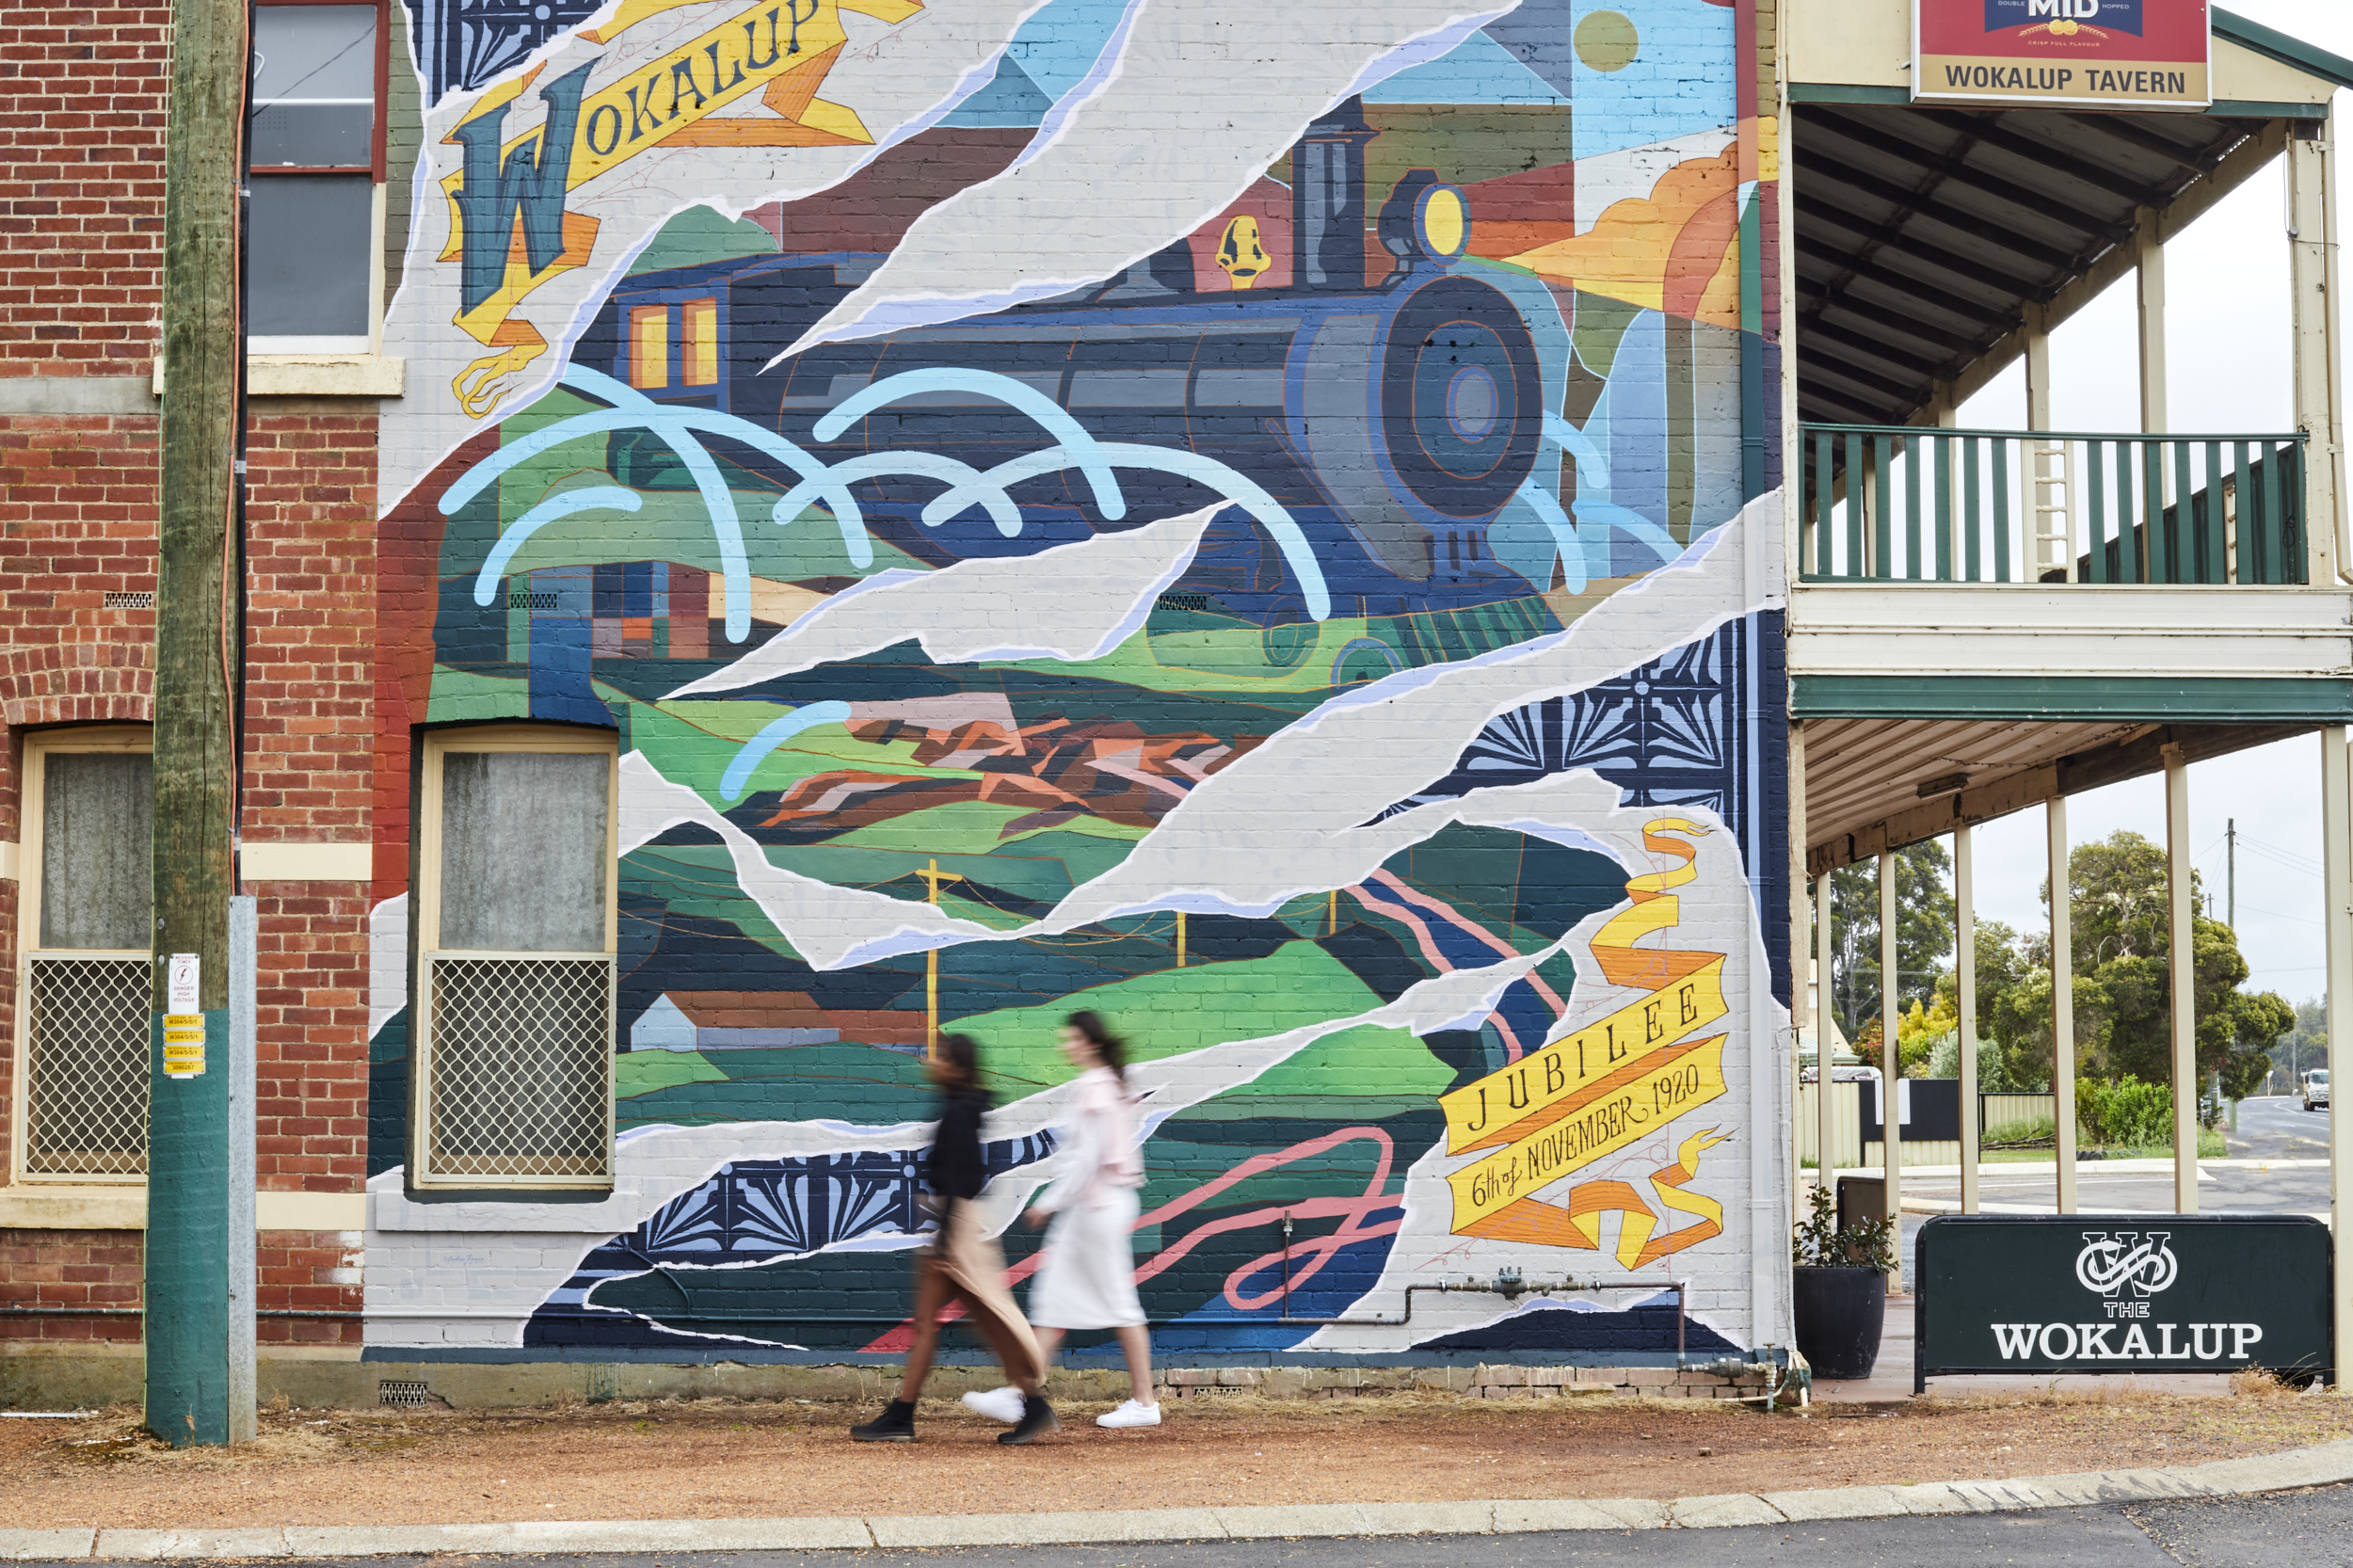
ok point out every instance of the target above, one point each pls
(1921, 504)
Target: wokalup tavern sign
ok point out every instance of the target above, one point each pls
(2122, 1293)
(2076, 54)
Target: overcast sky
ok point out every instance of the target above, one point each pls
(2227, 348)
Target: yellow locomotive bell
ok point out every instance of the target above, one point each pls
(1240, 256)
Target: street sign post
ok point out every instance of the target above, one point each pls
(2122, 1293)
(2132, 54)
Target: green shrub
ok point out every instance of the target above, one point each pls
(2124, 1112)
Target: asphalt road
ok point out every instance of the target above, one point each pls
(2280, 1128)
(2271, 1129)
(2298, 1529)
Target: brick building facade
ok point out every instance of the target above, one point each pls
(81, 219)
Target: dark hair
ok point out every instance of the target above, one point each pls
(1110, 1046)
(961, 1054)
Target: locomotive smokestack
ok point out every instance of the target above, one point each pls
(1328, 200)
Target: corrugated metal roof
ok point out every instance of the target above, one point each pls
(1923, 233)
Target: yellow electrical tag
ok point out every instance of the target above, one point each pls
(184, 1044)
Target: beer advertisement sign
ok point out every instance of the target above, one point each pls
(2063, 53)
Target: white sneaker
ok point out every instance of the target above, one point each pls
(1129, 1414)
(998, 1404)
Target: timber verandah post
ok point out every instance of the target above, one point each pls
(1891, 1110)
(187, 1286)
(2336, 841)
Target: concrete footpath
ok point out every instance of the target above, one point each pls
(2299, 1467)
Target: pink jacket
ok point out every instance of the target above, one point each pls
(1103, 1149)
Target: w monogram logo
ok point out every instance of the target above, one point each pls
(2109, 1263)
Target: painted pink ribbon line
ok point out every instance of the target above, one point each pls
(900, 1338)
(1446, 911)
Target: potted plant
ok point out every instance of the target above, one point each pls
(1839, 1279)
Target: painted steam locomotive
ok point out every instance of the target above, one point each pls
(1392, 421)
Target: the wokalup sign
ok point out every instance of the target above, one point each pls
(2120, 1293)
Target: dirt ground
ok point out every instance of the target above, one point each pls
(721, 1459)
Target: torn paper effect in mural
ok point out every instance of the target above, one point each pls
(1234, 519)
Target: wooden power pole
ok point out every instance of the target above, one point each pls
(188, 1166)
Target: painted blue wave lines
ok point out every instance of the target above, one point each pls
(1585, 551)
(827, 485)
(739, 774)
(1076, 449)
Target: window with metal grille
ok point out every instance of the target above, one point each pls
(515, 1004)
(84, 983)
(86, 1031)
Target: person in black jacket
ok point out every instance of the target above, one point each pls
(962, 1263)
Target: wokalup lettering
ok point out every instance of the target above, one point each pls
(2065, 80)
(2046, 1344)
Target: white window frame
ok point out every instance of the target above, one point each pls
(38, 748)
(437, 746)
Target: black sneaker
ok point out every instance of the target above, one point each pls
(896, 1424)
(1038, 1420)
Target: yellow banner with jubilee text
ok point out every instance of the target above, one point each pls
(1673, 1082)
(1583, 1067)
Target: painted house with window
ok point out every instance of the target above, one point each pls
(1366, 546)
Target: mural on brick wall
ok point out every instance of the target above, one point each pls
(1228, 517)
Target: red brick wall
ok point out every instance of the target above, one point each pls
(77, 518)
(311, 1271)
(81, 219)
(81, 186)
(310, 699)
(69, 1268)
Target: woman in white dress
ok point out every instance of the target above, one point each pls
(1088, 1278)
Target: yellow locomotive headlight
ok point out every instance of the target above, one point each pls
(1442, 223)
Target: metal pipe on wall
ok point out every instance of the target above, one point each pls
(244, 1069)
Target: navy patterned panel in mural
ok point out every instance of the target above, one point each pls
(1677, 731)
(750, 1213)
(464, 43)
(1686, 729)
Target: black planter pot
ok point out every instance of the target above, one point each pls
(1840, 1312)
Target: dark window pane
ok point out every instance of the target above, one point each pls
(313, 136)
(95, 816)
(307, 257)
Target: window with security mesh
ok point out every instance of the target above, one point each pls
(84, 977)
(515, 1081)
(87, 1029)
